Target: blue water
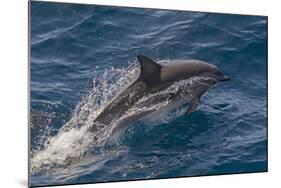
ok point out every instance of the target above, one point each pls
(79, 52)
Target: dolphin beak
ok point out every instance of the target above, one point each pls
(225, 78)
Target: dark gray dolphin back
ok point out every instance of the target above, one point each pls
(184, 69)
(154, 74)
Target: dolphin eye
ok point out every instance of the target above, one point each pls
(219, 73)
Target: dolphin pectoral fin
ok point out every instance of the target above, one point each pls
(150, 70)
(192, 106)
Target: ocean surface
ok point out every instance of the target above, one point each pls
(82, 56)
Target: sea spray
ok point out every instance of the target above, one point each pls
(73, 140)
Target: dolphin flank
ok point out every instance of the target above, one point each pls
(154, 78)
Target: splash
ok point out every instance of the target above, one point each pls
(73, 141)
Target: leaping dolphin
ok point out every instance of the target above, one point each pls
(155, 77)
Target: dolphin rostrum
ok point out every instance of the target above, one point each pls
(154, 78)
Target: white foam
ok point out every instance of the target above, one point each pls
(73, 139)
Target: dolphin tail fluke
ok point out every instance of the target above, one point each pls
(194, 103)
(150, 70)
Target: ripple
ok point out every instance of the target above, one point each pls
(79, 56)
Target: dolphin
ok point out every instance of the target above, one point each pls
(154, 78)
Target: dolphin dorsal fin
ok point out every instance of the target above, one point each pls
(148, 66)
(150, 70)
